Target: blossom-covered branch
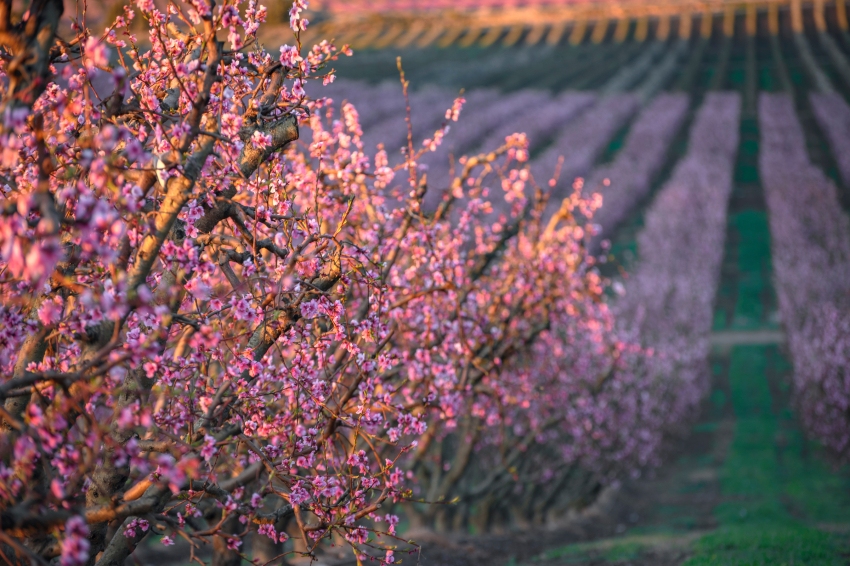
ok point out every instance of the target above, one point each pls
(627, 180)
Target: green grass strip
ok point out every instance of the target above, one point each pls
(768, 545)
(778, 493)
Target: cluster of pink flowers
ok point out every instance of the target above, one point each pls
(669, 299)
(833, 115)
(627, 180)
(811, 260)
(479, 121)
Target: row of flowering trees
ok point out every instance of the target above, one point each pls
(575, 149)
(611, 390)
(542, 118)
(669, 300)
(833, 115)
(208, 331)
(627, 180)
(810, 236)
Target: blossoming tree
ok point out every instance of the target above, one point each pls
(210, 331)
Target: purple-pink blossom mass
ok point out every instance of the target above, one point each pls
(251, 310)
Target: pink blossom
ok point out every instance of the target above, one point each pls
(130, 529)
(256, 500)
(289, 56)
(75, 544)
(51, 310)
(261, 140)
(268, 530)
(57, 489)
(296, 22)
(96, 54)
(453, 113)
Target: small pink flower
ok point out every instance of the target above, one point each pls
(56, 489)
(289, 56)
(261, 140)
(296, 22)
(51, 311)
(208, 449)
(150, 369)
(96, 54)
(256, 500)
(75, 545)
(453, 113)
(268, 530)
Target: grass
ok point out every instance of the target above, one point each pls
(775, 486)
(754, 269)
(613, 550)
(771, 545)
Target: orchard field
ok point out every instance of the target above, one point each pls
(514, 283)
(748, 486)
